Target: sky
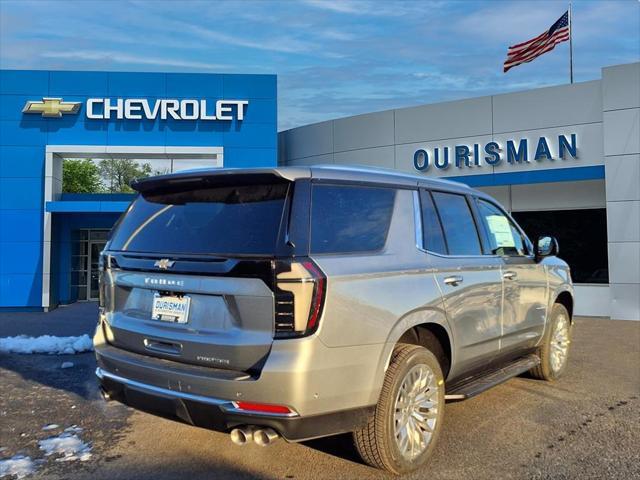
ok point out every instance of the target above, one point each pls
(333, 58)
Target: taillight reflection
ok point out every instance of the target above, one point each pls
(263, 408)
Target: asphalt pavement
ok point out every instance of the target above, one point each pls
(586, 425)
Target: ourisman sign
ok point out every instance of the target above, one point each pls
(492, 153)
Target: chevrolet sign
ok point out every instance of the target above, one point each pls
(141, 109)
(185, 109)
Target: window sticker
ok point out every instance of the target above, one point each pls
(501, 231)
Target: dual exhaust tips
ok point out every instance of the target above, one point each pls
(246, 433)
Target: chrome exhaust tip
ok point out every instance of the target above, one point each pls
(106, 396)
(265, 436)
(242, 435)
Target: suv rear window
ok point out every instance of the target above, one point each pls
(349, 219)
(216, 220)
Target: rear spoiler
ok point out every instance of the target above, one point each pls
(218, 177)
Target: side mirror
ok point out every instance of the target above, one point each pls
(546, 246)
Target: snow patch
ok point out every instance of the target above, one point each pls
(66, 365)
(46, 344)
(51, 426)
(68, 445)
(18, 465)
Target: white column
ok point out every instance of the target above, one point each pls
(621, 124)
(52, 191)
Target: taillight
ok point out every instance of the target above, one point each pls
(300, 291)
(106, 263)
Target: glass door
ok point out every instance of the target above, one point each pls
(95, 247)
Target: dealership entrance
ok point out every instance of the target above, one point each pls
(95, 247)
(85, 258)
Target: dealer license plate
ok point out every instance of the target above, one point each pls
(170, 309)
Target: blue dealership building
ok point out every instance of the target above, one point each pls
(50, 240)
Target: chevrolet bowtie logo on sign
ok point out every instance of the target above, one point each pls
(164, 263)
(51, 107)
(143, 109)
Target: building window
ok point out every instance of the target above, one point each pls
(582, 235)
(113, 175)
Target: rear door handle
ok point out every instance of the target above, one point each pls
(509, 275)
(453, 280)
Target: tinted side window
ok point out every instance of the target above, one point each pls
(458, 224)
(432, 234)
(347, 219)
(504, 238)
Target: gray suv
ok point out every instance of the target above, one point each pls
(307, 302)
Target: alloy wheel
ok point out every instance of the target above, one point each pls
(416, 411)
(559, 343)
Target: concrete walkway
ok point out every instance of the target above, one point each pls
(75, 319)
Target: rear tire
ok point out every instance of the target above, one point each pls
(554, 351)
(401, 434)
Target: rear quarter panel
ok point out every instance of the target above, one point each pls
(373, 298)
(369, 294)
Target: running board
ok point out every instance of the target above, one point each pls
(471, 387)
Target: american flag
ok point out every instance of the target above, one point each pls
(546, 41)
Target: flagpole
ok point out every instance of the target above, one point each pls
(570, 44)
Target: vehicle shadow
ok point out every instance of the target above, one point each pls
(122, 467)
(340, 446)
(47, 370)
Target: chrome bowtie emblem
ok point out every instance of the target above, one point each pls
(164, 263)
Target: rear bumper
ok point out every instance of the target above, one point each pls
(331, 390)
(303, 374)
(221, 415)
